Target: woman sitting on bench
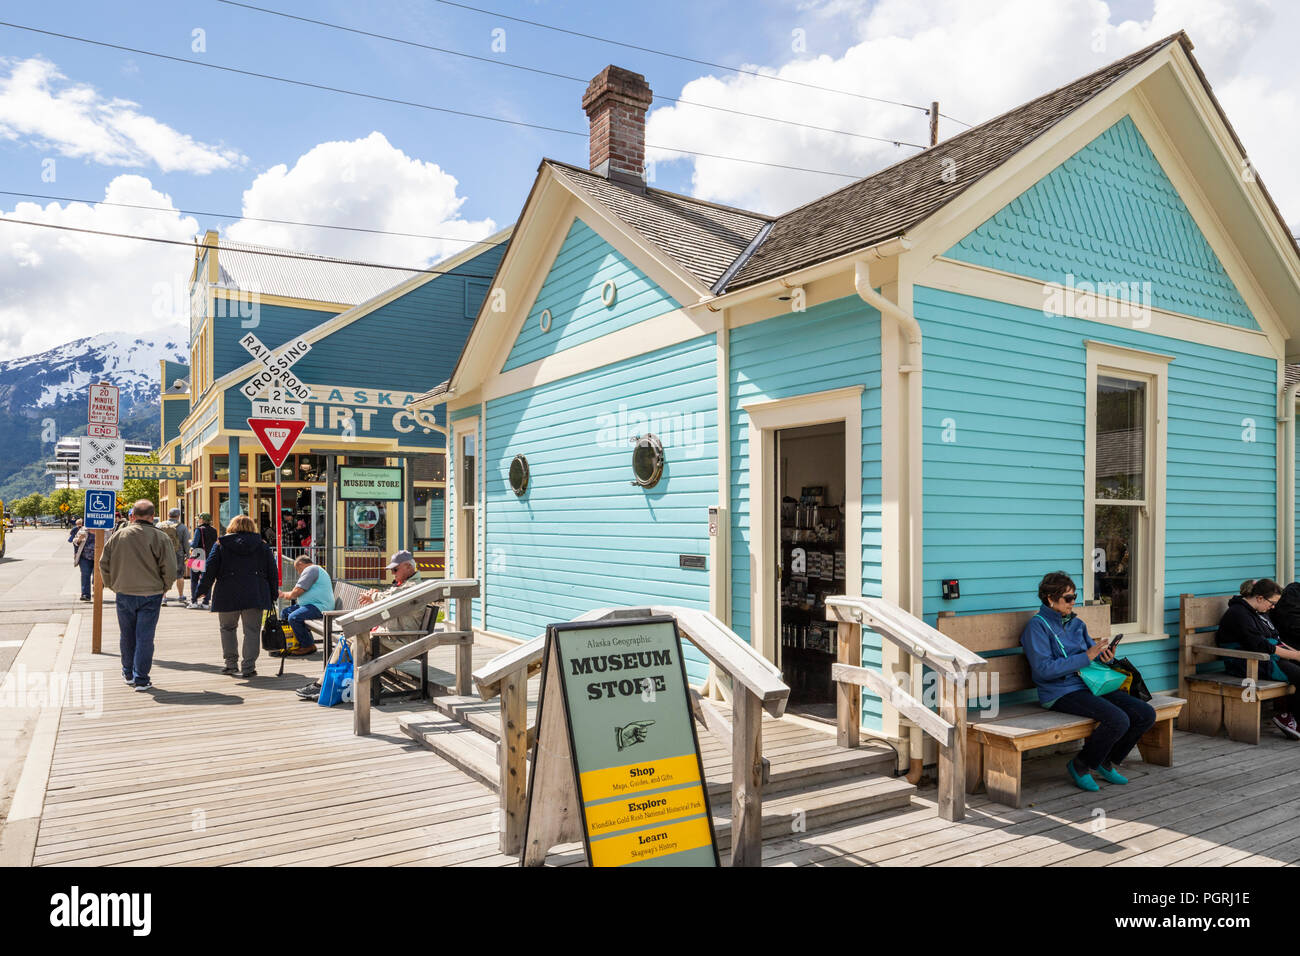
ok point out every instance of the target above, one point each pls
(1248, 625)
(1058, 647)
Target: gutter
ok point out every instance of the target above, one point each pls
(1286, 532)
(911, 366)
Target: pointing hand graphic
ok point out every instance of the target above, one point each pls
(633, 733)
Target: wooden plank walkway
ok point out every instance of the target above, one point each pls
(210, 770)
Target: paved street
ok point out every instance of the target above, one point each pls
(38, 585)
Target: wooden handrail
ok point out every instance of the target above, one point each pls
(417, 594)
(715, 640)
(910, 633)
(756, 685)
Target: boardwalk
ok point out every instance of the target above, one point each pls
(210, 770)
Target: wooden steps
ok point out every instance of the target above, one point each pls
(812, 782)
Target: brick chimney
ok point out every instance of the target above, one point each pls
(616, 101)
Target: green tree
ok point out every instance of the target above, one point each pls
(133, 489)
(73, 498)
(33, 506)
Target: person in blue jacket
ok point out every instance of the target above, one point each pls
(1057, 646)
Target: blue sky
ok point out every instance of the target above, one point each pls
(203, 139)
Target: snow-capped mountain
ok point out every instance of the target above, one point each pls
(61, 374)
(43, 397)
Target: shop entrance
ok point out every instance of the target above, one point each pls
(810, 485)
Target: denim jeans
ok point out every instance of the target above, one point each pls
(87, 566)
(1121, 720)
(137, 616)
(297, 616)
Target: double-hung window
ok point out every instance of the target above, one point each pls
(1124, 497)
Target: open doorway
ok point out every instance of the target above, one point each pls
(811, 482)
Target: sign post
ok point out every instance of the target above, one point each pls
(102, 467)
(277, 422)
(277, 437)
(617, 763)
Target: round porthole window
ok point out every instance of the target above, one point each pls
(609, 293)
(544, 320)
(519, 475)
(647, 461)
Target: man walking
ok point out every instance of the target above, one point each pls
(175, 529)
(139, 565)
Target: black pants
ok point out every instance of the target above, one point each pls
(1121, 720)
(1292, 671)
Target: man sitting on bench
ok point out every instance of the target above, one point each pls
(314, 594)
(1058, 647)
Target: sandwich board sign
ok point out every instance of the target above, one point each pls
(616, 756)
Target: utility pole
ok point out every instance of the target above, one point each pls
(934, 123)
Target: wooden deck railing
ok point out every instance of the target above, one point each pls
(406, 599)
(924, 644)
(756, 686)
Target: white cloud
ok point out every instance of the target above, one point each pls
(38, 105)
(366, 182)
(64, 285)
(978, 58)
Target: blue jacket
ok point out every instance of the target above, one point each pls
(242, 570)
(1054, 673)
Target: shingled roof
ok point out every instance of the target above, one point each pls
(888, 203)
(702, 237)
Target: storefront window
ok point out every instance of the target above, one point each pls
(366, 524)
(427, 519)
(310, 468)
(223, 508)
(221, 468)
(432, 467)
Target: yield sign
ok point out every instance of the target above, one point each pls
(277, 436)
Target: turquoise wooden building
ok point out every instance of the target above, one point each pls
(1057, 340)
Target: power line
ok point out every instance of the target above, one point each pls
(427, 106)
(223, 215)
(248, 252)
(494, 61)
(687, 59)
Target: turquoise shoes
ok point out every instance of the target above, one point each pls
(1111, 775)
(1083, 781)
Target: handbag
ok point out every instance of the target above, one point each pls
(336, 682)
(1097, 677)
(1134, 684)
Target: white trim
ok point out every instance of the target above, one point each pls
(765, 419)
(951, 275)
(480, 514)
(671, 328)
(1105, 358)
(460, 428)
(720, 599)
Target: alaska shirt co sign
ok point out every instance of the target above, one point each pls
(618, 690)
(370, 484)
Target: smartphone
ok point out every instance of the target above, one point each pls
(1114, 643)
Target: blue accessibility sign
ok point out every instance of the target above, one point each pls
(101, 510)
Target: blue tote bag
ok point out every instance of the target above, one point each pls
(336, 683)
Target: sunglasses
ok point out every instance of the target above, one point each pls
(1069, 598)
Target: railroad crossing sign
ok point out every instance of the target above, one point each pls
(103, 463)
(277, 436)
(274, 377)
(101, 510)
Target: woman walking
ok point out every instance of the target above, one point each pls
(1059, 649)
(242, 577)
(83, 556)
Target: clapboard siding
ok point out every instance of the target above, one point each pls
(1109, 214)
(833, 345)
(1004, 497)
(572, 294)
(583, 536)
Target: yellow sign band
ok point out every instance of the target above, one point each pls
(643, 810)
(636, 778)
(648, 844)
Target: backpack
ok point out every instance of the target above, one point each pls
(172, 531)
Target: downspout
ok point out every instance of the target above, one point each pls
(911, 367)
(1286, 533)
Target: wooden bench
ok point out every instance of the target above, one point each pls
(347, 597)
(996, 742)
(1219, 701)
